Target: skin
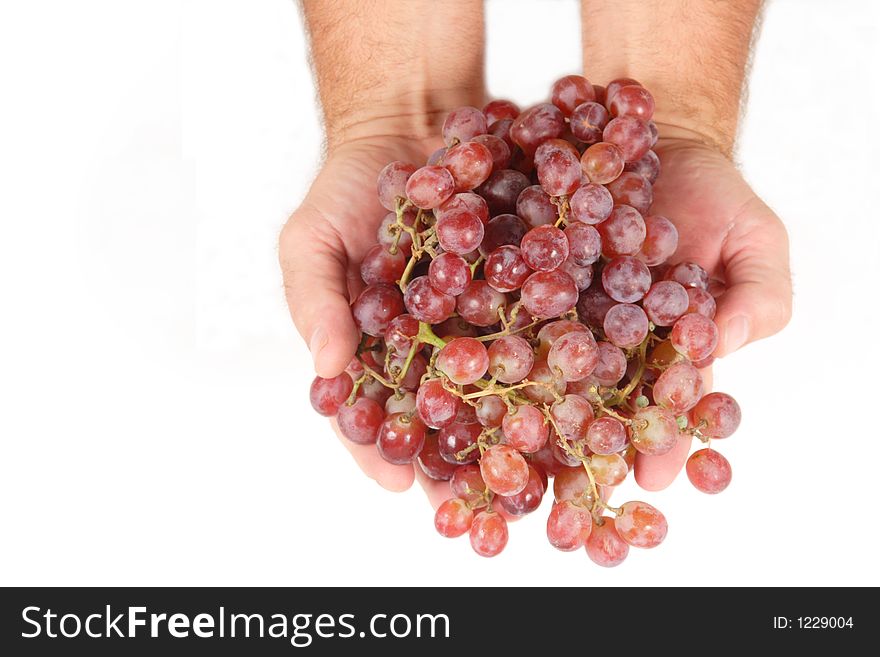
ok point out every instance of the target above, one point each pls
(386, 83)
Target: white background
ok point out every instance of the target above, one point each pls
(154, 417)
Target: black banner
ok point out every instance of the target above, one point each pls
(513, 621)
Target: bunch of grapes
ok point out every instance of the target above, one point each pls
(520, 321)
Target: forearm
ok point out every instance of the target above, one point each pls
(691, 54)
(392, 67)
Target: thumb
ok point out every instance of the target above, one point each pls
(757, 301)
(313, 264)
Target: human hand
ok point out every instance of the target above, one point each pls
(730, 232)
(320, 251)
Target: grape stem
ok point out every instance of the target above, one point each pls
(621, 396)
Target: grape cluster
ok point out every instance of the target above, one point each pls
(520, 321)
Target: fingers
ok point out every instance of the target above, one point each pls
(657, 472)
(437, 491)
(314, 268)
(396, 478)
(757, 302)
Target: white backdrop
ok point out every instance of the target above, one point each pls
(154, 416)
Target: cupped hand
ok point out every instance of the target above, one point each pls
(724, 227)
(320, 250)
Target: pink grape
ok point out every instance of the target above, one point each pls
(453, 518)
(400, 333)
(573, 415)
(372, 389)
(525, 429)
(386, 234)
(463, 124)
(694, 336)
(406, 403)
(459, 232)
(611, 366)
(606, 435)
(470, 164)
(570, 91)
(661, 240)
(527, 500)
(415, 371)
(604, 545)
(463, 360)
(588, 120)
(568, 526)
(381, 266)
(623, 233)
(327, 395)
(456, 438)
(536, 125)
(591, 204)
(599, 90)
(468, 201)
(361, 421)
(654, 431)
(632, 189)
(559, 167)
(584, 243)
(631, 135)
(467, 483)
(496, 110)
(641, 525)
(700, 301)
(717, 415)
(544, 248)
(602, 162)
(626, 279)
(490, 411)
(426, 303)
(488, 534)
(552, 331)
(679, 388)
(626, 325)
(616, 85)
(479, 304)
(449, 273)
(510, 359)
(648, 165)
(504, 470)
(503, 230)
(665, 302)
(506, 269)
(574, 356)
(429, 187)
(498, 150)
(594, 304)
(632, 100)
(535, 207)
(582, 276)
(501, 129)
(501, 190)
(708, 471)
(392, 183)
(432, 463)
(548, 294)
(609, 469)
(689, 274)
(375, 307)
(436, 406)
(400, 439)
(573, 484)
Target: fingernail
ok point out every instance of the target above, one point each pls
(737, 333)
(318, 342)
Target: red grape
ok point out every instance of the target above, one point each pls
(501, 190)
(536, 125)
(405, 403)
(700, 301)
(626, 325)
(449, 273)
(584, 243)
(616, 85)
(632, 100)
(632, 189)
(361, 421)
(375, 307)
(717, 415)
(392, 183)
(604, 545)
(386, 234)
(626, 279)
(470, 163)
(665, 302)
(548, 294)
(429, 187)
(594, 304)
(648, 165)
(463, 360)
(498, 149)
(527, 500)
(525, 429)
(505, 269)
(678, 388)
(503, 230)
(588, 120)
(694, 336)
(689, 274)
(569, 92)
(490, 411)
(568, 526)
(591, 204)
(572, 416)
(457, 437)
(327, 395)
(497, 110)
(708, 471)
(606, 435)
(400, 439)
(426, 303)
(381, 266)
(623, 233)
(467, 483)
(432, 462)
(559, 167)
(573, 484)
(510, 359)
(611, 366)
(488, 534)
(609, 469)
(469, 201)
(544, 248)
(535, 207)
(504, 470)
(602, 162)
(574, 356)
(641, 525)
(453, 518)
(661, 240)
(463, 124)
(436, 406)
(654, 431)
(631, 135)
(479, 304)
